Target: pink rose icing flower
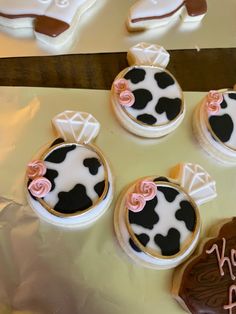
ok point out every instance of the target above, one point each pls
(40, 187)
(135, 202)
(121, 85)
(126, 98)
(147, 188)
(214, 99)
(36, 169)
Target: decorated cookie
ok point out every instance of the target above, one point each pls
(157, 220)
(145, 14)
(70, 183)
(214, 125)
(146, 98)
(207, 282)
(54, 21)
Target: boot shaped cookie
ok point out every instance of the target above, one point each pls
(54, 21)
(69, 183)
(146, 14)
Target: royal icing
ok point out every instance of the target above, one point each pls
(79, 177)
(160, 12)
(40, 187)
(36, 168)
(158, 221)
(52, 17)
(208, 280)
(221, 117)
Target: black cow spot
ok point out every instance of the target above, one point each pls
(142, 98)
(164, 80)
(164, 179)
(172, 107)
(232, 95)
(99, 187)
(59, 155)
(222, 126)
(51, 175)
(223, 104)
(93, 164)
(57, 141)
(169, 193)
(135, 75)
(169, 245)
(147, 119)
(143, 238)
(73, 200)
(147, 218)
(187, 214)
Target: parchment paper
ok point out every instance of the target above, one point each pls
(102, 29)
(44, 269)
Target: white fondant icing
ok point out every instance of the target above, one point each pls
(67, 11)
(216, 149)
(231, 111)
(142, 257)
(197, 182)
(166, 212)
(75, 221)
(149, 83)
(148, 54)
(71, 172)
(34, 7)
(80, 127)
(145, 8)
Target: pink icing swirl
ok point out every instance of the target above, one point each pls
(36, 168)
(214, 99)
(40, 187)
(126, 98)
(147, 188)
(135, 202)
(120, 85)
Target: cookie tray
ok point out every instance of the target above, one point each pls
(45, 269)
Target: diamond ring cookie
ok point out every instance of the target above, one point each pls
(207, 282)
(146, 98)
(157, 221)
(214, 125)
(70, 183)
(54, 21)
(145, 14)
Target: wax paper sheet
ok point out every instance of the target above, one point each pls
(102, 29)
(45, 269)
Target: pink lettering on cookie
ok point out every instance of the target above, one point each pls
(222, 259)
(231, 304)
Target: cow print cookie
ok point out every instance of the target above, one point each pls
(157, 220)
(207, 282)
(70, 184)
(146, 98)
(54, 21)
(213, 125)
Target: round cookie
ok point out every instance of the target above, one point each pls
(145, 14)
(214, 125)
(207, 282)
(70, 184)
(146, 98)
(157, 221)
